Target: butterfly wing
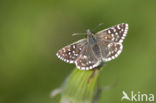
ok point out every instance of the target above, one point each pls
(87, 60)
(110, 41)
(71, 52)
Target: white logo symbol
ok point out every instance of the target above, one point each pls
(137, 96)
(125, 96)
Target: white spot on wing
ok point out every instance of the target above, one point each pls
(109, 31)
(73, 46)
(114, 30)
(85, 56)
(118, 26)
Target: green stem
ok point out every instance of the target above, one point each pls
(80, 87)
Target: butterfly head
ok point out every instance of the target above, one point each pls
(89, 33)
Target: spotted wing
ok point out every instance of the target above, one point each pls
(110, 41)
(87, 60)
(71, 52)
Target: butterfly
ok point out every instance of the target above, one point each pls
(94, 50)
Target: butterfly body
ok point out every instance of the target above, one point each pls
(91, 38)
(96, 49)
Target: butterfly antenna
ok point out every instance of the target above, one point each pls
(98, 26)
(78, 34)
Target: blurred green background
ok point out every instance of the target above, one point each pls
(32, 31)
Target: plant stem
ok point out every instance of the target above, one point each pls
(80, 87)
